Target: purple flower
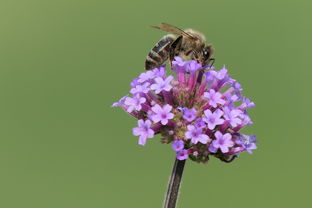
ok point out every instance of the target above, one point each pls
(162, 114)
(199, 123)
(162, 84)
(209, 67)
(214, 98)
(189, 114)
(196, 135)
(233, 116)
(120, 103)
(134, 82)
(144, 88)
(224, 142)
(247, 104)
(134, 103)
(232, 98)
(222, 74)
(211, 75)
(194, 66)
(245, 119)
(237, 89)
(178, 64)
(212, 149)
(160, 71)
(182, 155)
(213, 119)
(146, 76)
(143, 130)
(177, 145)
(247, 142)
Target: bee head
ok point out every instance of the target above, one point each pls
(207, 53)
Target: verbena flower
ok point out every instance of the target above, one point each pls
(182, 155)
(161, 84)
(143, 130)
(162, 114)
(189, 114)
(199, 111)
(213, 118)
(196, 135)
(177, 145)
(222, 141)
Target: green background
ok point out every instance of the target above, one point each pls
(64, 62)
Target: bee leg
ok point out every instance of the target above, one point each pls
(211, 60)
(175, 46)
(228, 160)
(196, 56)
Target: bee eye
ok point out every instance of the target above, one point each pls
(205, 53)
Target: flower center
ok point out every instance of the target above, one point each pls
(195, 134)
(145, 128)
(212, 119)
(246, 142)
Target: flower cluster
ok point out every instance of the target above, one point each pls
(199, 111)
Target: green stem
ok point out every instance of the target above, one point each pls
(174, 184)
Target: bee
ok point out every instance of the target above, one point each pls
(189, 44)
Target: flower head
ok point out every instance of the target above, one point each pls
(200, 111)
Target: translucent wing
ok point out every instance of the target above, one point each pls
(172, 29)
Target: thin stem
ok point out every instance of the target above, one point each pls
(174, 184)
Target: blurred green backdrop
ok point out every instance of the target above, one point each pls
(63, 63)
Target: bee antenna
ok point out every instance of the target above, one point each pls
(153, 26)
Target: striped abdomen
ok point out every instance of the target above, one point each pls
(160, 53)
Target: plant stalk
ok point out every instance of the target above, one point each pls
(174, 184)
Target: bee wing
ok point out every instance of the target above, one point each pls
(172, 29)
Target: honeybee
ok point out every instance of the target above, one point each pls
(190, 43)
